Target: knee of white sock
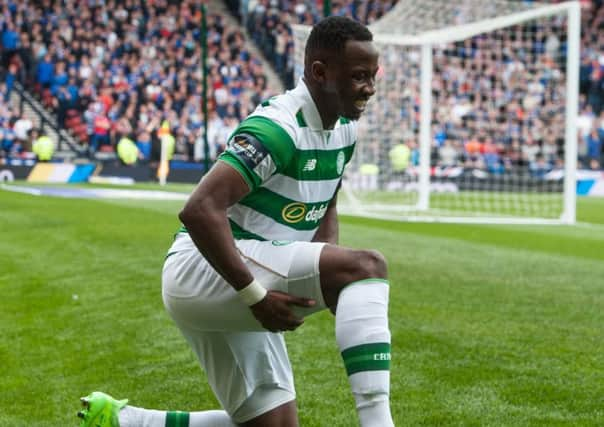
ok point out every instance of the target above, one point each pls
(362, 314)
(373, 410)
(364, 400)
(370, 383)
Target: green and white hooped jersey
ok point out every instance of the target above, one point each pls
(292, 165)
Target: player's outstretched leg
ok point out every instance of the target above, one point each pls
(102, 410)
(356, 281)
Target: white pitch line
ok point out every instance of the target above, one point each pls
(97, 193)
(18, 189)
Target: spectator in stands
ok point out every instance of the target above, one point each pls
(87, 94)
(143, 142)
(117, 50)
(100, 130)
(594, 165)
(217, 138)
(9, 80)
(595, 91)
(550, 149)
(9, 147)
(492, 158)
(134, 49)
(127, 151)
(45, 71)
(585, 119)
(399, 156)
(600, 124)
(66, 97)
(22, 129)
(530, 150)
(26, 59)
(59, 78)
(123, 125)
(167, 141)
(10, 42)
(448, 154)
(585, 72)
(539, 167)
(594, 144)
(43, 146)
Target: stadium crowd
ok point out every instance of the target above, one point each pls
(498, 98)
(15, 129)
(269, 24)
(113, 69)
(130, 68)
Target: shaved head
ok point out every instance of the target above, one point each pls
(328, 39)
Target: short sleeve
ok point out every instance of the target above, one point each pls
(258, 148)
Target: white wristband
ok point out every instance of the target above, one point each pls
(252, 293)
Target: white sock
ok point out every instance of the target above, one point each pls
(131, 416)
(364, 339)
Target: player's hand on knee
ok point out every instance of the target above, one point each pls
(274, 311)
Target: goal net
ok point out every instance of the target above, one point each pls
(473, 118)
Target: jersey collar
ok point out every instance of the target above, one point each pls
(309, 109)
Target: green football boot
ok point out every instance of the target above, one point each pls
(100, 410)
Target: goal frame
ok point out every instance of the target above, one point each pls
(426, 42)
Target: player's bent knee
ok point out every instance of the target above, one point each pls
(339, 267)
(372, 265)
(280, 408)
(284, 415)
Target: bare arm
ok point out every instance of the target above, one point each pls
(205, 217)
(328, 230)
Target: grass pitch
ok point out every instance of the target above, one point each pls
(491, 325)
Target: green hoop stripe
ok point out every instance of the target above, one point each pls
(250, 177)
(300, 119)
(367, 357)
(272, 136)
(326, 164)
(177, 419)
(238, 233)
(267, 102)
(241, 233)
(272, 205)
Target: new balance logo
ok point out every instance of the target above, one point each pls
(310, 165)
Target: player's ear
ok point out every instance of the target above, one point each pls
(319, 71)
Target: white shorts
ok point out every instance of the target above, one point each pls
(246, 365)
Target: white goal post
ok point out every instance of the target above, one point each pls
(474, 118)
